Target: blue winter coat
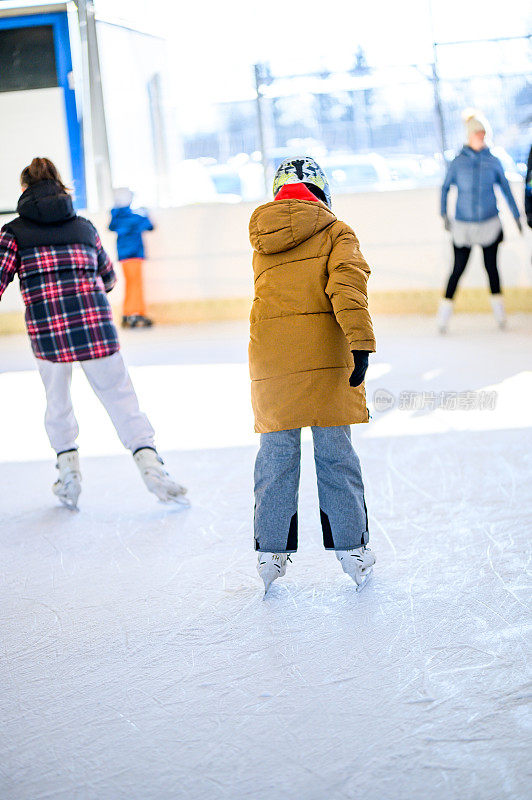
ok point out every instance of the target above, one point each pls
(128, 226)
(475, 173)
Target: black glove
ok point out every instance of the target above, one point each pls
(446, 222)
(361, 364)
(519, 225)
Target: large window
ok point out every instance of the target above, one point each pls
(27, 59)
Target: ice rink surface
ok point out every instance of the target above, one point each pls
(139, 660)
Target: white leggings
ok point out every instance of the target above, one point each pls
(111, 383)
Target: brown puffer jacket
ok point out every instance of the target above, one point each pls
(310, 310)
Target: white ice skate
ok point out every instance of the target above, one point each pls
(499, 312)
(271, 566)
(445, 312)
(157, 479)
(68, 486)
(357, 563)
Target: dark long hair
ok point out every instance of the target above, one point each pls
(42, 169)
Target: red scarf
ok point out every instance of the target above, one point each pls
(295, 191)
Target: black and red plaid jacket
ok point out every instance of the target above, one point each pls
(64, 275)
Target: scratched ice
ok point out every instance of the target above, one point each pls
(138, 657)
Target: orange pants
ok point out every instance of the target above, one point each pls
(134, 292)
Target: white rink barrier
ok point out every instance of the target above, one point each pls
(202, 252)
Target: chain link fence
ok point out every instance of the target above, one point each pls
(375, 128)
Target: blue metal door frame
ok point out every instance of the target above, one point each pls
(63, 60)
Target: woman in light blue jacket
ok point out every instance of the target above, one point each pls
(475, 171)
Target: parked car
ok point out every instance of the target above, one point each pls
(377, 173)
(201, 180)
(412, 170)
(226, 182)
(357, 173)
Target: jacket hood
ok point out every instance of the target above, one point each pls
(45, 203)
(119, 212)
(468, 151)
(283, 224)
(123, 220)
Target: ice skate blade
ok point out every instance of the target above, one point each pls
(68, 503)
(267, 579)
(179, 500)
(166, 494)
(69, 500)
(365, 579)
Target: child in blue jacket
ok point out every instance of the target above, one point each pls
(129, 226)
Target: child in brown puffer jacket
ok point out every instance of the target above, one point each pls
(309, 320)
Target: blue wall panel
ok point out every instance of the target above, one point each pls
(63, 57)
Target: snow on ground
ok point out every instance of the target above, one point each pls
(138, 657)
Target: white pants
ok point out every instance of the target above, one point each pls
(110, 381)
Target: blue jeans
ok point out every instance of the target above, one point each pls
(344, 519)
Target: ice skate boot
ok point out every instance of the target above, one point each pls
(136, 321)
(271, 566)
(131, 321)
(157, 479)
(357, 563)
(445, 312)
(497, 304)
(68, 486)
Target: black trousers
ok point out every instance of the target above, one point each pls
(461, 257)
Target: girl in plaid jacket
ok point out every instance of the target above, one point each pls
(64, 275)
